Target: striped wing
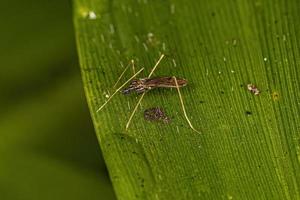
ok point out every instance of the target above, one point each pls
(164, 82)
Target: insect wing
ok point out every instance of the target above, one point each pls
(165, 82)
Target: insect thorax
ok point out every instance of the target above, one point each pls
(137, 85)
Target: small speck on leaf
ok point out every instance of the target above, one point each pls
(275, 96)
(247, 112)
(253, 89)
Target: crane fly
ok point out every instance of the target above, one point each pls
(141, 86)
(144, 84)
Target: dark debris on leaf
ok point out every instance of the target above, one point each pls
(247, 112)
(156, 114)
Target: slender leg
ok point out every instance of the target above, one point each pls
(183, 107)
(123, 73)
(156, 64)
(134, 110)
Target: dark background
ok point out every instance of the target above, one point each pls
(48, 148)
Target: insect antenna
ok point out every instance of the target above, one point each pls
(183, 107)
(117, 90)
(141, 98)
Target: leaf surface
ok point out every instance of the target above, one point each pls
(250, 145)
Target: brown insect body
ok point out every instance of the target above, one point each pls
(144, 84)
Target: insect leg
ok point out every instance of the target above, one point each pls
(122, 74)
(183, 108)
(154, 68)
(134, 110)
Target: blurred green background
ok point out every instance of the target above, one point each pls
(48, 149)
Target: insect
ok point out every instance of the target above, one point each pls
(156, 114)
(144, 84)
(252, 88)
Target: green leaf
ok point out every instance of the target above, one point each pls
(249, 146)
